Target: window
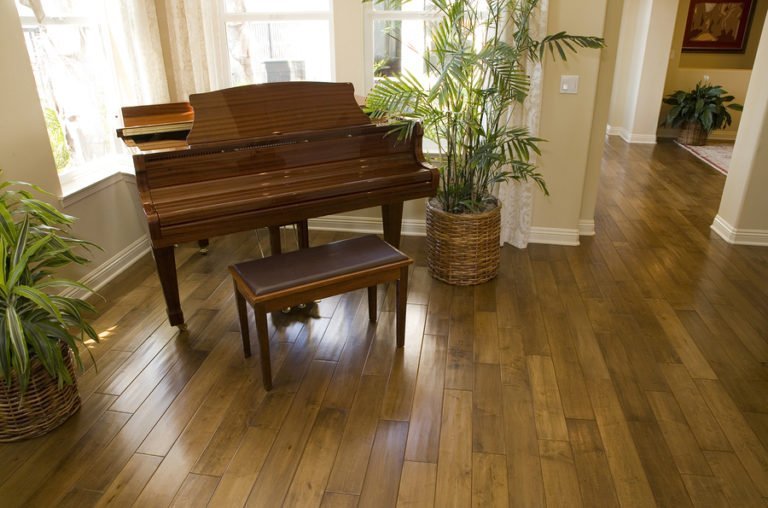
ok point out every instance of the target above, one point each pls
(397, 36)
(72, 62)
(270, 41)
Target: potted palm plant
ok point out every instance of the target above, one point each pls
(476, 75)
(699, 112)
(39, 330)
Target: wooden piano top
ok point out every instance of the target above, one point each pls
(232, 114)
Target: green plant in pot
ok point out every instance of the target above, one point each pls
(39, 329)
(699, 112)
(476, 75)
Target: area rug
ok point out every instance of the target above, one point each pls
(717, 155)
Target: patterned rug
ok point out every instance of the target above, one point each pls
(716, 154)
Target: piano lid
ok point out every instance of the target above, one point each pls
(270, 109)
(156, 126)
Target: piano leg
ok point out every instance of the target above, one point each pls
(275, 245)
(303, 232)
(392, 218)
(203, 246)
(165, 260)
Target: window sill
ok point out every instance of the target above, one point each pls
(85, 181)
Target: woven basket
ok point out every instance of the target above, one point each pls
(43, 408)
(463, 249)
(692, 134)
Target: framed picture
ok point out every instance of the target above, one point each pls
(717, 25)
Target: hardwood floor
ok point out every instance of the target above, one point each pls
(629, 371)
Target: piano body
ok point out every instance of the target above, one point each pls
(265, 156)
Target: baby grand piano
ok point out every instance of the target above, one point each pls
(264, 156)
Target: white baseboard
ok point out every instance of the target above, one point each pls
(736, 236)
(111, 268)
(714, 135)
(629, 137)
(415, 227)
(586, 228)
(356, 224)
(554, 236)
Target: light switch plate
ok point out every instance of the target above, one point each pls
(569, 84)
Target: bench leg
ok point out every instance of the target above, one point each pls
(261, 330)
(242, 313)
(372, 304)
(402, 296)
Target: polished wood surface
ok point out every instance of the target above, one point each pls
(628, 371)
(267, 155)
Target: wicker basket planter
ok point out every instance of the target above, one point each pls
(43, 407)
(692, 134)
(463, 249)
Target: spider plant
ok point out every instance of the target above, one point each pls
(476, 75)
(35, 240)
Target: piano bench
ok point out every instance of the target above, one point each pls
(275, 282)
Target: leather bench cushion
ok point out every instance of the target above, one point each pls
(305, 266)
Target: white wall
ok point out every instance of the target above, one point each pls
(646, 38)
(743, 214)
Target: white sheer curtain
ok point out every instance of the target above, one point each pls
(517, 197)
(195, 56)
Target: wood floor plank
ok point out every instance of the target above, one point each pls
(336, 500)
(573, 391)
(486, 338)
(689, 352)
(489, 480)
(398, 396)
(308, 485)
(734, 481)
(594, 475)
(663, 477)
(550, 420)
(25, 480)
(61, 480)
(183, 408)
(705, 491)
(417, 485)
(385, 466)
(189, 446)
(454, 469)
(241, 473)
(196, 491)
(106, 465)
(630, 480)
(275, 477)
(746, 445)
(424, 426)
(487, 415)
(526, 486)
(348, 470)
(678, 436)
(561, 484)
(129, 483)
(697, 413)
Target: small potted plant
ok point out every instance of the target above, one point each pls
(699, 112)
(39, 329)
(476, 75)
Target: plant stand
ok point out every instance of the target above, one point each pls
(692, 134)
(463, 249)
(42, 408)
